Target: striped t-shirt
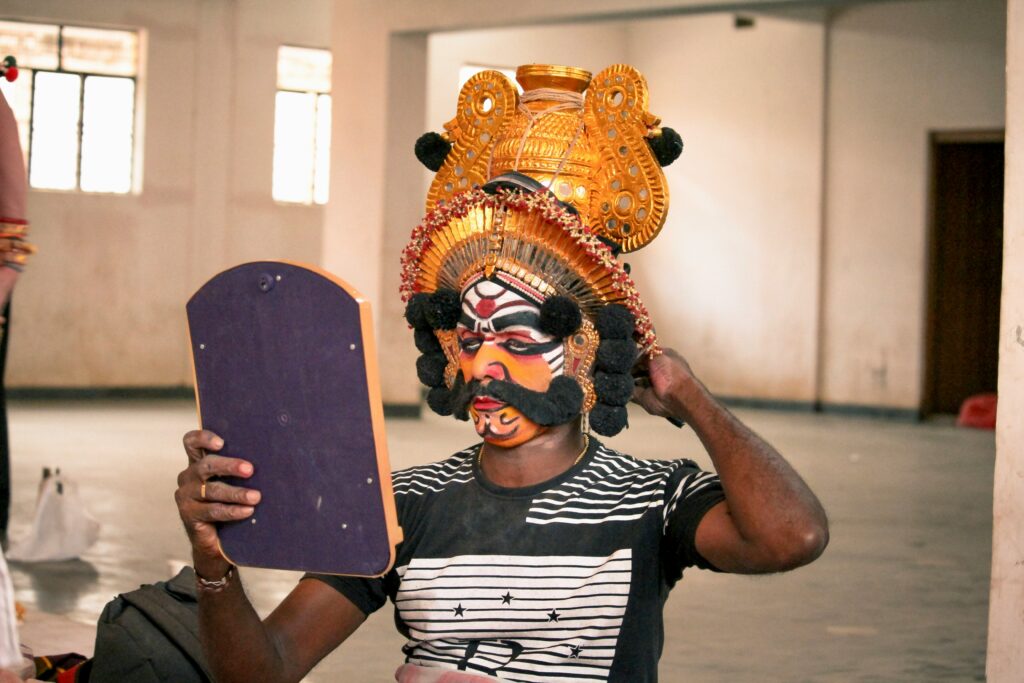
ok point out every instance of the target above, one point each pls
(562, 581)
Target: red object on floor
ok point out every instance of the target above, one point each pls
(978, 411)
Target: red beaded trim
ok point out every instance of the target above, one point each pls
(553, 212)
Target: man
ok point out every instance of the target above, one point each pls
(539, 554)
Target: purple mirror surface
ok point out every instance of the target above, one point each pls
(281, 375)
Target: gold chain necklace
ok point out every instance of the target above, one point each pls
(586, 446)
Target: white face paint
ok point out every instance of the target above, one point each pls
(499, 339)
(490, 307)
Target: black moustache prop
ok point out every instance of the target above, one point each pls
(560, 403)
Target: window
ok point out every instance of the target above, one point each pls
(74, 101)
(302, 125)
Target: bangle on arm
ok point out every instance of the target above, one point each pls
(14, 250)
(207, 586)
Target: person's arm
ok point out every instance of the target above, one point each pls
(770, 520)
(13, 195)
(307, 625)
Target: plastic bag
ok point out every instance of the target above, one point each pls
(62, 529)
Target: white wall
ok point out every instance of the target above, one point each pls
(732, 280)
(102, 304)
(896, 72)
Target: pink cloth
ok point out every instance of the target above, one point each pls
(411, 673)
(978, 411)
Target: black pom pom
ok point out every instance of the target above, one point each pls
(416, 311)
(440, 400)
(430, 369)
(613, 388)
(560, 316)
(426, 340)
(666, 147)
(432, 149)
(615, 321)
(608, 420)
(566, 393)
(616, 355)
(444, 309)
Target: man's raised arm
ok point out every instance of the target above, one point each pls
(770, 520)
(312, 621)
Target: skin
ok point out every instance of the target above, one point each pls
(769, 522)
(770, 519)
(499, 339)
(15, 184)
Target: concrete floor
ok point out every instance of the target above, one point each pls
(900, 595)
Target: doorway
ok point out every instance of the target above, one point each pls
(965, 268)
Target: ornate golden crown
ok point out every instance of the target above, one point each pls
(586, 141)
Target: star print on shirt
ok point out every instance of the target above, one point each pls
(507, 598)
(553, 615)
(576, 650)
(459, 610)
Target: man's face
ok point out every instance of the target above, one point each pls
(499, 339)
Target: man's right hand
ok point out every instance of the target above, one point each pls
(202, 506)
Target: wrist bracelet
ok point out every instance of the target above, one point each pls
(207, 586)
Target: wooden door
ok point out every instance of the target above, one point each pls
(965, 269)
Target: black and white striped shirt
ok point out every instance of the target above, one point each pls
(563, 581)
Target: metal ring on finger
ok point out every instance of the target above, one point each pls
(202, 491)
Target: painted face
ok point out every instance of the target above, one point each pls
(499, 339)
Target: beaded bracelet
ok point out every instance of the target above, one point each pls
(14, 250)
(207, 586)
(10, 227)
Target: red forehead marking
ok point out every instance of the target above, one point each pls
(485, 307)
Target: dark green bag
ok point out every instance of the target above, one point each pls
(151, 635)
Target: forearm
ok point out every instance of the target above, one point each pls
(773, 510)
(237, 644)
(235, 641)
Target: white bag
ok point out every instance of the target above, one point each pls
(62, 529)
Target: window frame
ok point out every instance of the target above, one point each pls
(82, 75)
(316, 112)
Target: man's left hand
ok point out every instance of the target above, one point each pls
(662, 391)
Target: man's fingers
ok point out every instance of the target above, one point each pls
(219, 492)
(199, 442)
(222, 512)
(221, 466)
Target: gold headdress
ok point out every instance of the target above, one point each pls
(587, 141)
(594, 152)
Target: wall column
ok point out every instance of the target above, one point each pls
(405, 180)
(1005, 661)
(377, 187)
